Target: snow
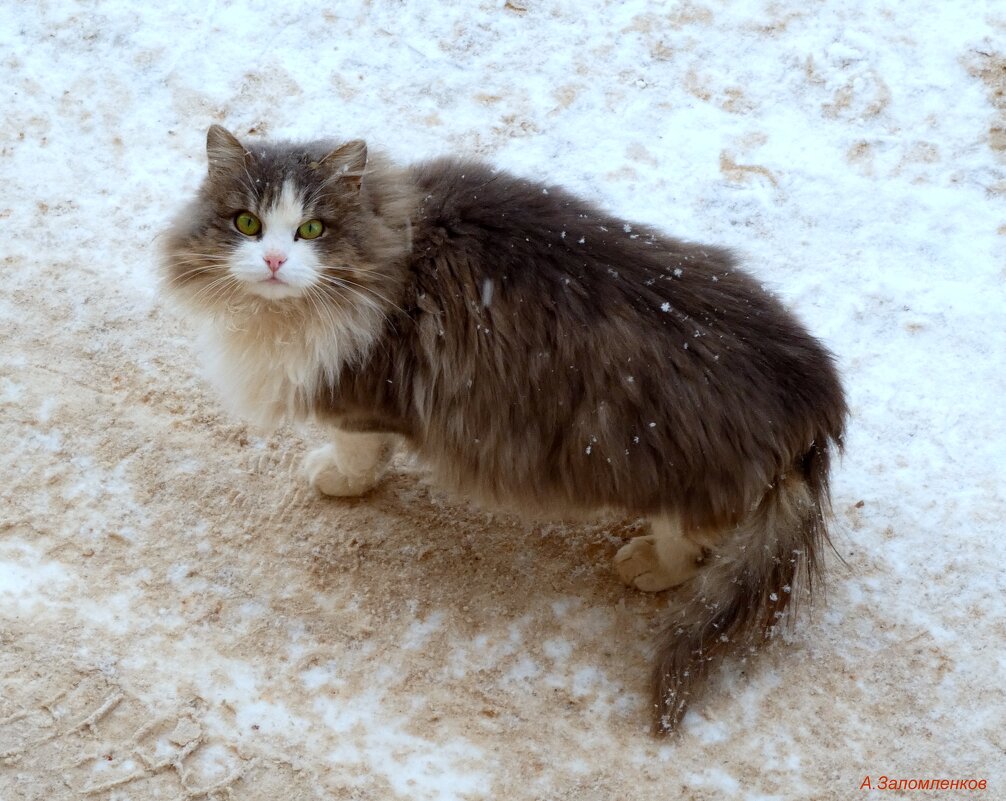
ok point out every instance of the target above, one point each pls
(845, 151)
(25, 577)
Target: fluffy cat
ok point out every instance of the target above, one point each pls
(537, 353)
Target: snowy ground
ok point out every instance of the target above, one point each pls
(180, 617)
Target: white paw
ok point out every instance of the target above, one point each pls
(639, 565)
(344, 475)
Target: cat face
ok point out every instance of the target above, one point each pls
(272, 223)
(277, 255)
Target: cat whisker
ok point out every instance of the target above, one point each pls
(311, 201)
(178, 280)
(373, 304)
(250, 185)
(321, 303)
(330, 292)
(200, 264)
(202, 257)
(190, 274)
(217, 289)
(196, 254)
(346, 281)
(336, 284)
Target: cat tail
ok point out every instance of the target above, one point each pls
(740, 594)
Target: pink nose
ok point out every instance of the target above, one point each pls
(274, 260)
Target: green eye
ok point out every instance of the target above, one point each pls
(247, 223)
(312, 229)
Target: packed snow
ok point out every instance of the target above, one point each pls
(181, 616)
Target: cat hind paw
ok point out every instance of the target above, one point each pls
(639, 565)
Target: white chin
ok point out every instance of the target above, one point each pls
(273, 290)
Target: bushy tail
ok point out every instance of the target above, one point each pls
(741, 593)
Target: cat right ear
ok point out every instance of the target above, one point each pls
(223, 150)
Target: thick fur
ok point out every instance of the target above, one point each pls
(538, 353)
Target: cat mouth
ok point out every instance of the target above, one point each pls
(273, 288)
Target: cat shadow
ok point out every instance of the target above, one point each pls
(425, 537)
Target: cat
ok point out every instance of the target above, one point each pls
(536, 353)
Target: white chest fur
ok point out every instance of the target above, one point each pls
(270, 365)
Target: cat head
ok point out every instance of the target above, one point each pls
(276, 224)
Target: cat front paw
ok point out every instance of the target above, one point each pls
(333, 471)
(639, 565)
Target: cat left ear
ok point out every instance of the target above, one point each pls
(223, 150)
(348, 162)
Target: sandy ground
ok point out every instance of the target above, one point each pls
(183, 618)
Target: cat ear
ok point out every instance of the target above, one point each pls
(348, 162)
(223, 151)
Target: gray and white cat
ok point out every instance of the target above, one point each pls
(537, 353)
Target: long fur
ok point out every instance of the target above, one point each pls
(741, 596)
(543, 355)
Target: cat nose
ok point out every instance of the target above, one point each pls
(274, 260)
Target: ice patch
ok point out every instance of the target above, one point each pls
(372, 742)
(24, 574)
(10, 392)
(419, 632)
(715, 779)
(525, 669)
(558, 650)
